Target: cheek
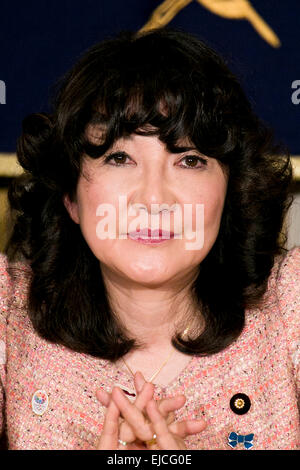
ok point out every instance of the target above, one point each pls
(213, 208)
(90, 194)
(89, 198)
(212, 199)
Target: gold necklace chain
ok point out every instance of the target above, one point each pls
(164, 363)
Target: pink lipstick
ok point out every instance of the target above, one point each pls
(151, 237)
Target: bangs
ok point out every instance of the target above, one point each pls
(155, 99)
(144, 108)
(153, 85)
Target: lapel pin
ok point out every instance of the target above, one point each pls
(234, 439)
(39, 402)
(240, 403)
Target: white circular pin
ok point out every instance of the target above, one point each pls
(39, 402)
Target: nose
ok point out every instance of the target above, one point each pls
(153, 193)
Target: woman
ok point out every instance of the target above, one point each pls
(120, 333)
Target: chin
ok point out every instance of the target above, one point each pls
(152, 283)
(146, 274)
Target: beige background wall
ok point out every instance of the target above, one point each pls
(293, 222)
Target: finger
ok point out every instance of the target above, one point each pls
(110, 431)
(140, 401)
(125, 431)
(134, 417)
(145, 394)
(188, 427)
(168, 405)
(139, 381)
(171, 417)
(165, 405)
(103, 397)
(165, 439)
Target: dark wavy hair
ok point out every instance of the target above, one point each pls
(168, 83)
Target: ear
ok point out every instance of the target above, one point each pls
(72, 208)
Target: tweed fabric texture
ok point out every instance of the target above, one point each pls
(262, 363)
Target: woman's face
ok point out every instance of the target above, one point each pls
(144, 172)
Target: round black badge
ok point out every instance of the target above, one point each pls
(240, 403)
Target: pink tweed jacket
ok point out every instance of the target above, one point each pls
(247, 393)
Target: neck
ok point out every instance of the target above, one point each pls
(151, 314)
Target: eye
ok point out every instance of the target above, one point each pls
(194, 161)
(118, 157)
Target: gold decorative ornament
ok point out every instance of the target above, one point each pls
(239, 403)
(231, 9)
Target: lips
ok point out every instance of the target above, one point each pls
(147, 233)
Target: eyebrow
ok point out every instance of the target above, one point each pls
(182, 149)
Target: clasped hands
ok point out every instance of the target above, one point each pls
(137, 422)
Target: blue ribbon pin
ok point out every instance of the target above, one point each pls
(234, 439)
